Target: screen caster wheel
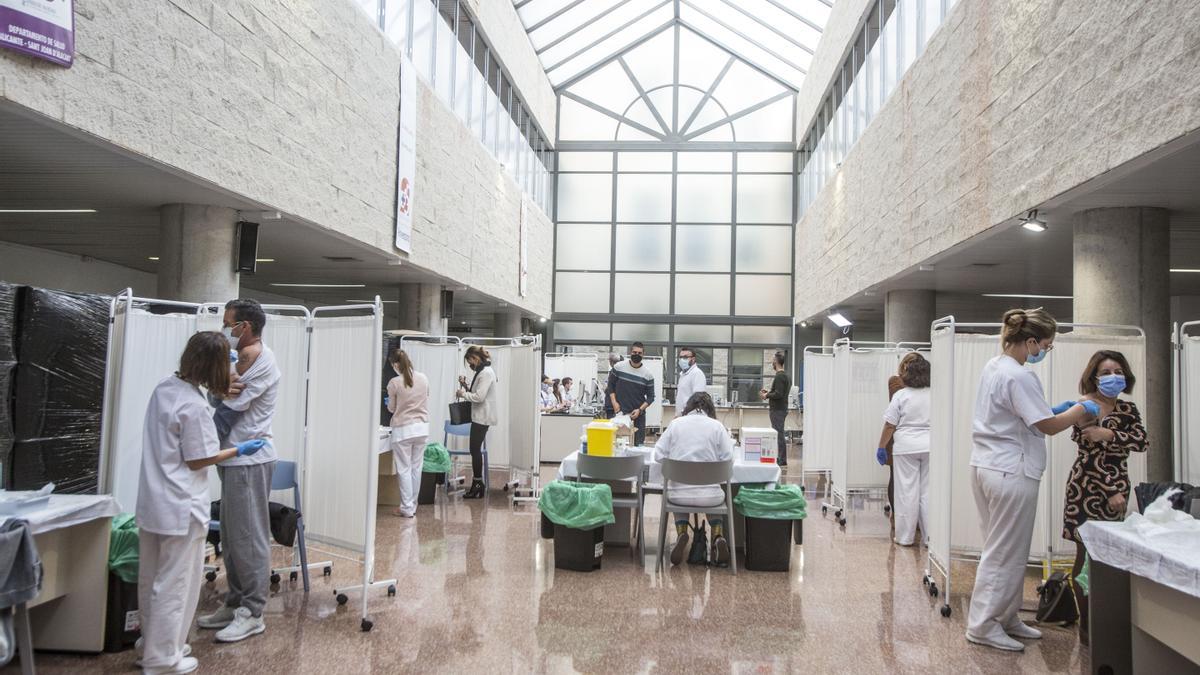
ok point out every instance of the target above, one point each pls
(842, 522)
(946, 611)
(933, 590)
(210, 576)
(293, 576)
(391, 591)
(824, 510)
(367, 625)
(342, 599)
(275, 578)
(887, 508)
(327, 571)
(925, 580)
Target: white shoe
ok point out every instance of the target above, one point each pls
(997, 642)
(244, 625)
(185, 665)
(218, 619)
(140, 648)
(1024, 631)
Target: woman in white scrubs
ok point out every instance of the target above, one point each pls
(906, 421)
(408, 401)
(696, 436)
(1008, 457)
(179, 443)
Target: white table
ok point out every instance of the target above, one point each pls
(560, 433)
(71, 533)
(1145, 599)
(743, 471)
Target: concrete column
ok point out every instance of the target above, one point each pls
(1122, 276)
(829, 333)
(196, 253)
(907, 315)
(506, 323)
(420, 308)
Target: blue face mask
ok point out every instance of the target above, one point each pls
(1111, 385)
(1038, 357)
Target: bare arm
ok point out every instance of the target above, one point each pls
(198, 464)
(1060, 423)
(885, 437)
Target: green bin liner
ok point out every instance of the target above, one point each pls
(123, 548)
(1083, 579)
(785, 502)
(582, 506)
(437, 459)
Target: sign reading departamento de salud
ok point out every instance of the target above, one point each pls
(42, 28)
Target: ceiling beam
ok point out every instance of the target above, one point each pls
(768, 26)
(737, 115)
(642, 93)
(609, 34)
(745, 37)
(605, 111)
(600, 63)
(707, 95)
(751, 63)
(568, 34)
(563, 10)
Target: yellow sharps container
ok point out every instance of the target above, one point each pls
(601, 437)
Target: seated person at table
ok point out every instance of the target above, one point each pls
(568, 395)
(546, 401)
(696, 436)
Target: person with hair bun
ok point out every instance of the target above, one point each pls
(906, 423)
(1008, 457)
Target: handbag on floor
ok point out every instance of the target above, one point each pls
(699, 553)
(1056, 602)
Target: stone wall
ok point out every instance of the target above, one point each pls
(503, 30)
(289, 103)
(1011, 104)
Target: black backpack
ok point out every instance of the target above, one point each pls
(1056, 601)
(699, 553)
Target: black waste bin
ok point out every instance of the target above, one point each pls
(768, 545)
(579, 550)
(429, 483)
(547, 527)
(122, 623)
(798, 531)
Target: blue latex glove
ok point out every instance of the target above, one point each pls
(250, 447)
(1062, 407)
(1092, 407)
(387, 402)
(881, 456)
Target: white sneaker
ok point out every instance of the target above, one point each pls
(140, 648)
(244, 625)
(1024, 631)
(185, 665)
(218, 619)
(997, 642)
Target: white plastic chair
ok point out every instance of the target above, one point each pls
(619, 469)
(696, 473)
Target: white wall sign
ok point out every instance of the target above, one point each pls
(406, 156)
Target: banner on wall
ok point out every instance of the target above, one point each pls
(523, 272)
(42, 28)
(406, 155)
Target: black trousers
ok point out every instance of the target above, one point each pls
(639, 429)
(778, 417)
(478, 433)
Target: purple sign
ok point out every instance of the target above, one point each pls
(42, 28)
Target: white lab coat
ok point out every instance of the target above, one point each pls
(695, 438)
(909, 413)
(690, 381)
(1007, 460)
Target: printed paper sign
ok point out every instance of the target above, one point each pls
(406, 156)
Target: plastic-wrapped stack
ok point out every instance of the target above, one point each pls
(8, 365)
(62, 346)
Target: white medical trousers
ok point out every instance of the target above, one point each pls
(1007, 504)
(407, 457)
(912, 495)
(170, 569)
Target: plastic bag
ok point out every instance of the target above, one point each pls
(785, 502)
(123, 548)
(582, 506)
(1084, 579)
(437, 459)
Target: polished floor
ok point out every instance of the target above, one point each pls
(478, 593)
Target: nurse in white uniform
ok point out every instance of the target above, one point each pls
(696, 436)
(1008, 457)
(691, 378)
(179, 443)
(906, 420)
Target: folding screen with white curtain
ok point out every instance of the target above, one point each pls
(957, 359)
(1187, 405)
(654, 414)
(860, 397)
(581, 367)
(820, 429)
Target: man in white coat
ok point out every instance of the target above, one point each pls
(691, 378)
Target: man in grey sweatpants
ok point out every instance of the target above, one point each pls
(246, 481)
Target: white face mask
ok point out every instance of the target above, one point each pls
(233, 340)
(685, 364)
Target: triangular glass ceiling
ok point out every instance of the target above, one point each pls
(776, 37)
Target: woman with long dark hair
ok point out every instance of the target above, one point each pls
(481, 392)
(906, 424)
(1098, 488)
(696, 436)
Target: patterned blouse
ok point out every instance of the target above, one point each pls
(1101, 469)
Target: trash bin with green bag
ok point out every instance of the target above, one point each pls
(121, 620)
(434, 467)
(579, 512)
(773, 518)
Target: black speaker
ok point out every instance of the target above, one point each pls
(247, 247)
(447, 304)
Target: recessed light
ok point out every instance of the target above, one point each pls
(47, 210)
(264, 260)
(839, 320)
(369, 302)
(1028, 295)
(463, 322)
(153, 257)
(1184, 270)
(319, 285)
(1032, 223)
(804, 324)
(542, 320)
